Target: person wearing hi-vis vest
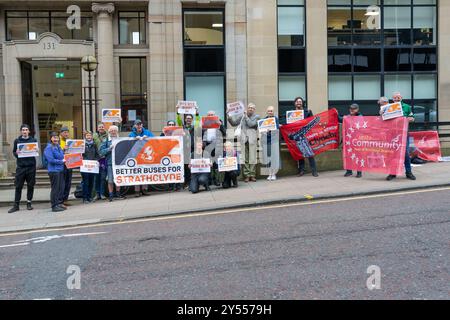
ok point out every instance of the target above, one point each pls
(407, 112)
(25, 170)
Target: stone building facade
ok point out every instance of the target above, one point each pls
(153, 53)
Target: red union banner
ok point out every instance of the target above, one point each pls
(374, 145)
(312, 136)
(425, 145)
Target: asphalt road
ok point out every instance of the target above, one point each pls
(308, 251)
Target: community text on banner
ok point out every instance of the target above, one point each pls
(27, 150)
(425, 145)
(374, 145)
(157, 160)
(312, 136)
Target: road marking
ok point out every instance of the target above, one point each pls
(228, 211)
(49, 238)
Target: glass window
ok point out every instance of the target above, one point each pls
(424, 25)
(363, 33)
(17, 29)
(424, 59)
(291, 26)
(132, 28)
(367, 60)
(86, 30)
(397, 83)
(339, 22)
(203, 28)
(367, 87)
(424, 86)
(204, 60)
(37, 26)
(59, 27)
(291, 86)
(397, 25)
(291, 60)
(339, 60)
(397, 59)
(133, 90)
(339, 87)
(209, 92)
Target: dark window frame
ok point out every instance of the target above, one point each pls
(84, 14)
(139, 12)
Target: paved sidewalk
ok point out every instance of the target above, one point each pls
(329, 184)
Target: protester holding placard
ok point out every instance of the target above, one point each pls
(213, 139)
(139, 132)
(202, 178)
(64, 136)
(100, 180)
(25, 170)
(270, 143)
(246, 132)
(54, 156)
(172, 186)
(407, 112)
(230, 177)
(181, 117)
(353, 112)
(300, 104)
(106, 151)
(90, 153)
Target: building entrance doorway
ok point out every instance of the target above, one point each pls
(51, 97)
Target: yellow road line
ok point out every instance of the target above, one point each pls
(228, 211)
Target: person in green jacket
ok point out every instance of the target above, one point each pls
(100, 179)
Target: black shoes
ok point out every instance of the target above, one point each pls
(391, 177)
(13, 209)
(29, 207)
(348, 174)
(301, 173)
(315, 174)
(359, 175)
(410, 176)
(57, 209)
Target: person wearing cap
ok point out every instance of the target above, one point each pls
(54, 156)
(25, 170)
(353, 112)
(139, 132)
(90, 153)
(407, 112)
(64, 135)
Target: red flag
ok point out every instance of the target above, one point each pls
(425, 144)
(312, 136)
(374, 145)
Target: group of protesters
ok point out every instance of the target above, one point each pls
(197, 142)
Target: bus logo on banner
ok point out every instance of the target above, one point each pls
(27, 150)
(268, 124)
(227, 164)
(157, 160)
(392, 111)
(111, 115)
(73, 160)
(75, 146)
(295, 115)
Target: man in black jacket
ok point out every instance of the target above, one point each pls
(25, 170)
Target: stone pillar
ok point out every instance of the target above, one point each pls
(317, 55)
(105, 71)
(262, 53)
(444, 69)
